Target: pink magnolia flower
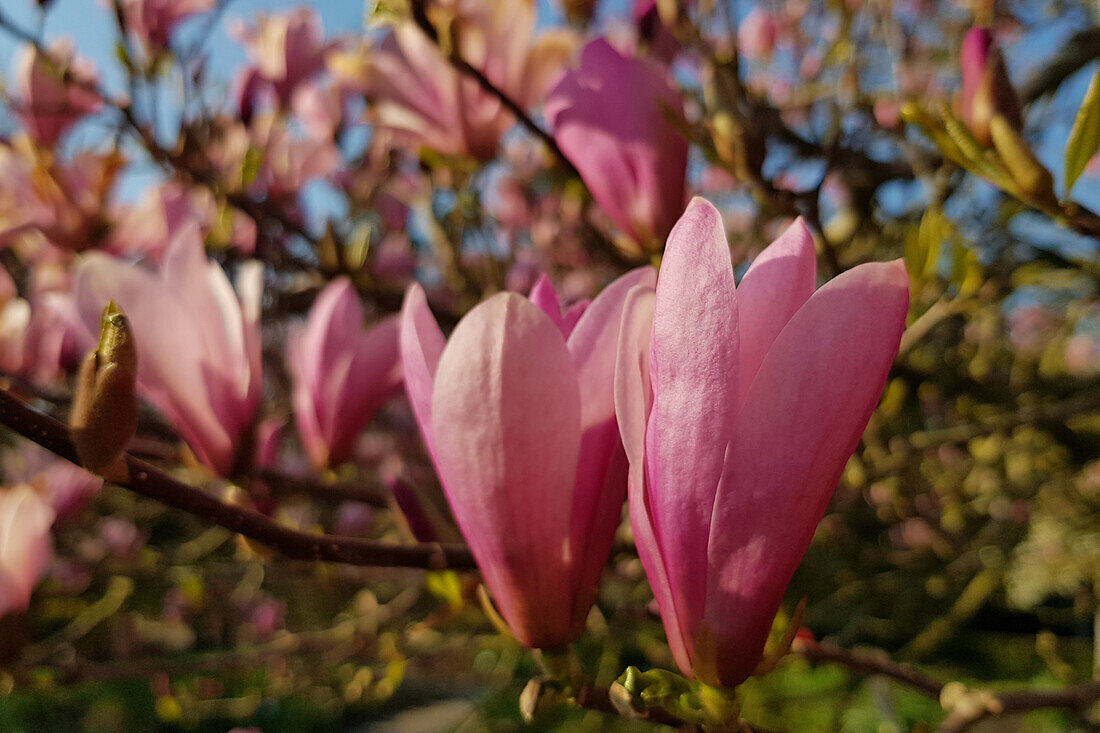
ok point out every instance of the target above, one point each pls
(289, 160)
(26, 547)
(986, 88)
(146, 227)
(63, 200)
(610, 120)
(152, 21)
(198, 343)
(15, 319)
(517, 412)
(48, 102)
(757, 34)
(651, 30)
(286, 49)
(424, 101)
(738, 410)
(342, 371)
(64, 486)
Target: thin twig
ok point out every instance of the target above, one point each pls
(424, 23)
(869, 663)
(147, 480)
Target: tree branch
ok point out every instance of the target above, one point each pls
(869, 663)
(147, 480)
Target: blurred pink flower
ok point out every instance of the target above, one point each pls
(342, 371)
(738, 410)
(424, 101)
(1032, 327)
(652, 31)
(65, 486)
(516, 410)
(289, 161)
(610, 118)
(986, 88)
(152, 21)
(198, 344)
(62, 200)
(52, 96)
(286, 49)
(756, 35)
(26, 547)
(15, 318)
(1082, 355)
(145, 228)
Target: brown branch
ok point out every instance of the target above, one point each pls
(1073, 697)
(1077, 52)
(281, 482)
(869, 663)
(150, 482)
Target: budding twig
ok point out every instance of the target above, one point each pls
(150, 482)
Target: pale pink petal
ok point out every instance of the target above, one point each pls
(374, 374)
(693, 363)
(26, 547)
(573, 314)
(779, 281)
(801, 420)
(506, 425)
(633, 401)
(546, 297)
(600, 486)
(422, 343)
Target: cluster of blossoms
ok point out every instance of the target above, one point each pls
(723, 414)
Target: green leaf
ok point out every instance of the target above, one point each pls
(1084, 138)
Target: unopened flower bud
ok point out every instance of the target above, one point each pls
(1033, 178)
(986, 89)
(104, 415)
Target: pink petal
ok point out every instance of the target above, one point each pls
(421, 343)
(506, 424)
(693, 363)
(600, 485)
(802, 419)
(633, 400)
(546, 297)
(375, 374)
(26, 547)
(779, 281)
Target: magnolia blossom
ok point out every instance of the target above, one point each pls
(517, 412)
(198, 344)
(757, 34)
(62, 200)
(48, 103)
(15, 319)
(64, 486)
(653, 32)
(286, 49)
(290, 160)
(421, 98)
(26, 547)
(986, 88)
(152, 21)
(342, 371)
(611, 119)
(146, 228)
(738, 410)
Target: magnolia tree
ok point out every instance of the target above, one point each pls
(443, 365)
